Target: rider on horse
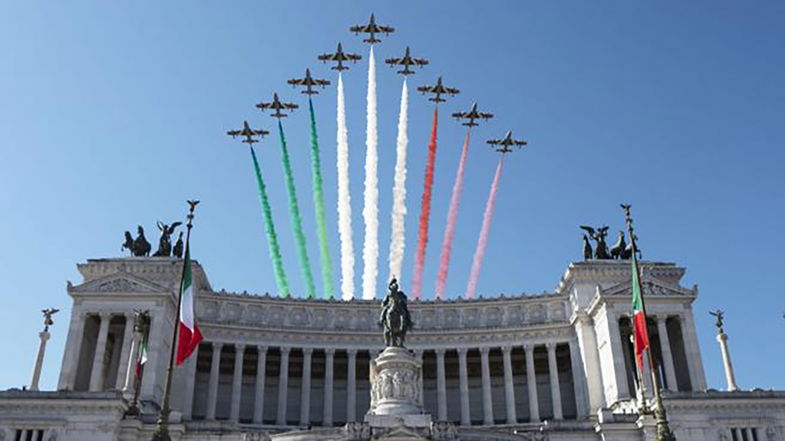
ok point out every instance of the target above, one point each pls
(395, 316)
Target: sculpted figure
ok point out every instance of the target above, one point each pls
(395, 316)
(164, 243)
(617, 250)
(141, 246)
(177, 251)
(48, 313)
(601, 248)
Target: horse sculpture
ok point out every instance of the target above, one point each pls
(395, 316)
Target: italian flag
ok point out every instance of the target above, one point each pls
(189, 335)
(641, 335)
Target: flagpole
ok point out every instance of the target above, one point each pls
(664, 432)
(162, 431)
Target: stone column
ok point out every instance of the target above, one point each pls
(487, 398)
(327, 416)
(617, 359)
(305, 390)
(283, 387)
(589, 359)
(128, 335)
(39, 360)
(351, 385)
(722, 339)
(578, 379)
(463, 373)
(190, 379)
(237, 382)
(509, 388)
(553, 373)
(692, 349)
(68, 370)
(261, 366)
(97, 372)
(665, 349)
(212, 385)
(441, 386)
(531, 384)
(418, 354)
(130, 373)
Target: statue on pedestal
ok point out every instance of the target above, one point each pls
(395, 316)
(165, 243)
(48, 313)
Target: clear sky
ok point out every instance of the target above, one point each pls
(112, 115)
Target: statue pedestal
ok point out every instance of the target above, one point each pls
(396, 382)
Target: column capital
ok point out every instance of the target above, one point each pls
(551, 346)
(484, 350)
(506, 350)
(239, 347)
(105, 315)
(440, 352)
(307, 351)
(285, 350)
(329, 352)
(529, 347)
(217, 344)
(462, 352)
(262, 349)
(351, 352)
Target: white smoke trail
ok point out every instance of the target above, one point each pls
(371, 209)
(344, 200)
(398, 239)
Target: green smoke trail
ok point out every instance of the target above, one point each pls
(318, 202)
(272, 238)
(297, 220)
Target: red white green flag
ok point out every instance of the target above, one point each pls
(141, 355)
(641, 335)
(189, 336)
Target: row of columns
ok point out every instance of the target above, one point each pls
(351, 407)
(98, 365)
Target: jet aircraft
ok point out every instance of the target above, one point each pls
(505, 144)
(438, 90)
(340, 56)
(308, 82)
(278, 106)
(248, 132)
(406, 61)
(472, 115)
(372, 28)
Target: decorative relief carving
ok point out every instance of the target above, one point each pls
(121, 285)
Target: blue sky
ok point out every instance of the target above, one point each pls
(113, 114)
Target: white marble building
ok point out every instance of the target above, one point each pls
(547, 366)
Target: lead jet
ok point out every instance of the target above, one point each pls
(406, 61)
(472, 115)
(248, 132)
(308, 82)
(278, 106)
(372, 28)
(438, 90)
(505, 144)
(340, 56)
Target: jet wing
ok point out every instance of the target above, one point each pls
(234, 133)
(385, 29)
(353, 57)
(295, 82)
(420, 61)
(357, 29)
(460, 115)
(326, 57)
(321, 82)
(485, 115)
(394, 60)
(290, 106)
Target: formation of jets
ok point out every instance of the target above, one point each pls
(406, 61)
(505, 144)
(438, 90)
(372, 29)
(309, 83)
(340, 56)
(278, 106)
(249, 133)
(472, 115)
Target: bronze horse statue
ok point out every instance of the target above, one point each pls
(395, 316)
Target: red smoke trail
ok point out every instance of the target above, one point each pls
(452, 218)
(482, 242)
(425, 211)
